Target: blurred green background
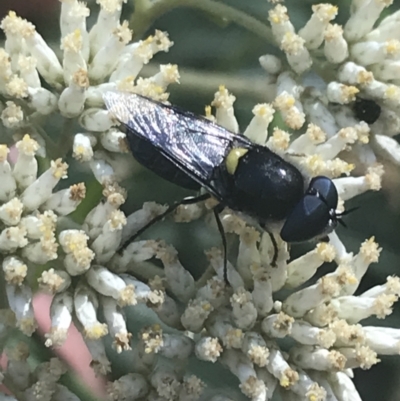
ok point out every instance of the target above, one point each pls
(210, 52)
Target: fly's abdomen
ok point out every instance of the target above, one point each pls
(151, 157)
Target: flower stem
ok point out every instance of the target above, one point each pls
(146, 12)
(64, 142)
(3, 296)
(205, 83)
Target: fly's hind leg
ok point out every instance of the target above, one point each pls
(217, 210)
(186, 201)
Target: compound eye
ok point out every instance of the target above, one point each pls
(325, 187)
(309, 219)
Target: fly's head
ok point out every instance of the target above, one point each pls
(315, 214)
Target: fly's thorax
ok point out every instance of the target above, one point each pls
(261, 183)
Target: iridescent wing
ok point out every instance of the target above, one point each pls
(193, 144)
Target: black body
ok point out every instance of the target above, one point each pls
(366, 110)
(318, 203)
(150, 157)
(191, 151)
(264, 186)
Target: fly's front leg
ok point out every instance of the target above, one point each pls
(276, 250)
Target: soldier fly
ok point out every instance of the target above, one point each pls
(194, 152)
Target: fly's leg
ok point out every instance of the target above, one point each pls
(186, 201)
(276, 251)
(217, 210)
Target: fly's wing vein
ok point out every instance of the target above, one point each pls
(194, 144)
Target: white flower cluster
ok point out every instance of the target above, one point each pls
(93, 63)
(356, 60)
(43, 382)
(239, 325)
